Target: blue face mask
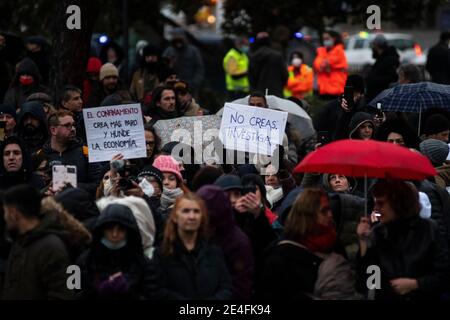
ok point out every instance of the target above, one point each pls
(114, 246)
(328, 43)
(245, 49)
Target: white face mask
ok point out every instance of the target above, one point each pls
(296, 62)
(147, 188)
(107, 187)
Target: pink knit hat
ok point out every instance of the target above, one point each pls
(168, 164)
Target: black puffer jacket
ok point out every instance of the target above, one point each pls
(200, 274)
(88, 174)
(407, 248)
(99, 262)
(382, 73)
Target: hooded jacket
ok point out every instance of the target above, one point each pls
(235, 244)
(36, 141)
(18, 94)
(267, 70)
(99, 262)
(143, 216)
(24, 175)
(39, 259)
(357, 120)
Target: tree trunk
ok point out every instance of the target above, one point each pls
(70, 48)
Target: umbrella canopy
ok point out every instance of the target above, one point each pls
(373, 159)
(188, 128)
(414, 97)
(297, 117)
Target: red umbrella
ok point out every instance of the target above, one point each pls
(373, 159)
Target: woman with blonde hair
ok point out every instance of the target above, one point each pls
(186, 265)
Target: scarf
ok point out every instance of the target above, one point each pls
(169, 196)
(321, 239)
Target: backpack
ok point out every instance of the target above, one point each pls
(335, 278)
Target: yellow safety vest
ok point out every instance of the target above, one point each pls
(235, 63)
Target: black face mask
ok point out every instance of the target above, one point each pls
(178, 44)
(30, 130)
(375, 54)
(151, 66)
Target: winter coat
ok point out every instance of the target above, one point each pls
(260, 233)
(80, 205)
(335, 120)
(188, 65)
(18, 94)
(347, 210)
(438, 63)
(289, 273)
(267, 70)
(301, 84)
(382, 73)
(200, 274)
(332, 82)
(39, 259)
(88, 174)
(227, 235)
(440, 206)
(143, 83)
(35, 142)
(407, 248)
(443, 177)
(99, 262)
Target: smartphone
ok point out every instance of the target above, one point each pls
(64, 175)
(248, 188)
(348, 96)
(323, 137)
(379, 113)
(2, 130)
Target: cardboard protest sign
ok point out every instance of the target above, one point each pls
(115, 129)
(252, 129)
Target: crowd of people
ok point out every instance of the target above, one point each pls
(161, 228)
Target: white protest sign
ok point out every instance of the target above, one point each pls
(115, 129)
(252, 129)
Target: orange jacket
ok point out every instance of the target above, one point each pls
(331, 81)
(300, 84)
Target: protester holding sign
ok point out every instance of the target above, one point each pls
(64, 148)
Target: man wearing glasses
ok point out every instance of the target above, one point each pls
(66, 148)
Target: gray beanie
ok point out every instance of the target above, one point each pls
(435, 150)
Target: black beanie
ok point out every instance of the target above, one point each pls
(435, 124)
